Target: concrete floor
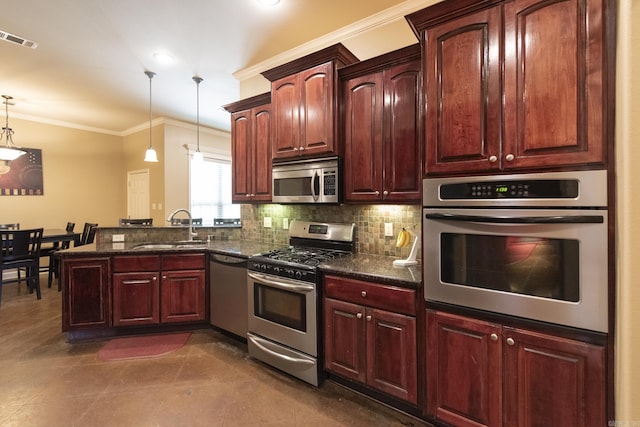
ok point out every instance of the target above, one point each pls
(45, 381)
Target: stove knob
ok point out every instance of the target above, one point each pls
(276, 269)
(298, 275)
(289, 272)
(263, 267)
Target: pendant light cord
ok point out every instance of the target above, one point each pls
(197, 80)
(150, 74)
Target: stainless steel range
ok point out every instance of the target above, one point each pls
(283, 297)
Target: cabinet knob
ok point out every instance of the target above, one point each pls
(363, 293)
(510, 157)
(385, 192)
(510, 341)
(493, 159)
(164, 277)
(377, 193)
(494, 337)
(301, 148)
(368, 318)
(295, 148)
(359, 315)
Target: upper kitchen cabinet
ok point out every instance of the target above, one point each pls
(304, 102)
(382, 152)
(251, 149)
(522, 84)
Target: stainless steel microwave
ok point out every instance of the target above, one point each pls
(307, 181)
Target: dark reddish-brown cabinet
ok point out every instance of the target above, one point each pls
(486, 374)
(153, 289)
(304, 98)
(382, 140)
(86, 292)
(516, 85)
(370, 335)
(251, 149)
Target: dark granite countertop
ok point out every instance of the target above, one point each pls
(363, 266)
(242, 248)
(374, 267)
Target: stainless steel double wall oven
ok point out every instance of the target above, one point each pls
(527, 245)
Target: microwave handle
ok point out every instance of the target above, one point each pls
(315, 178)
(577, 219)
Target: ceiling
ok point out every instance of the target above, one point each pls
(88, 68)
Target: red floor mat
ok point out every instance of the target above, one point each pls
(142, 346)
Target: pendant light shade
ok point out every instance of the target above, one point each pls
(150, 155)
(197, 156)
(8, 151)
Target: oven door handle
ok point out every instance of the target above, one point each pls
(562, 219)
(257, 341)
(282, 284)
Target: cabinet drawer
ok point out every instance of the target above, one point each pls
(182, 262)
(386, 297)
(136, 263)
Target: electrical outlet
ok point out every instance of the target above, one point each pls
(285, 223)
(117, 237)
(267, 222)
(388, 229)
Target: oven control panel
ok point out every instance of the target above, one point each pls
(512, 189)
(283, 271)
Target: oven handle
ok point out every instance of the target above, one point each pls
(577, 219)
(256, 340)
(282, 283)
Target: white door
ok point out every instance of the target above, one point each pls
(138, 194)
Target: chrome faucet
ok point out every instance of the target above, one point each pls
(191, 233)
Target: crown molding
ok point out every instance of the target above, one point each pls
(379, 19)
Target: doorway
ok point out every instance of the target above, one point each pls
(138, 194)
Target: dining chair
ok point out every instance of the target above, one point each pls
(14, 226)
(88, 226)
(141, 222)
(20, 249)
(54, 261)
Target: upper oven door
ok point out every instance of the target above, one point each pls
(542, 264)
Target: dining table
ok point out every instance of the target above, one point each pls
(60, 235)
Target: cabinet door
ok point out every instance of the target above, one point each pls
(463, 93)
(402, 143)
(554, 89)
(464, 371)
(182, 296)
(285, 101)
(552, 381)
(363, 101)
(242, 155)
(392, 354)
(261, 140)
(344, 339)
(136, 299)
(317, 110)
(86, 293)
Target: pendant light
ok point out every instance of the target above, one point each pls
(9, 151)
(150, 155)
(197, 156)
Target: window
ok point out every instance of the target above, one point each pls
(210, 189)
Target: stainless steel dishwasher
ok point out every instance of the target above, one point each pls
(228, 281)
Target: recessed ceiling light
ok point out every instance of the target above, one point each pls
(268, 2)
(163, 58)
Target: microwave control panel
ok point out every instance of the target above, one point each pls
(329, 186)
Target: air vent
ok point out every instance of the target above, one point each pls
(17, 40)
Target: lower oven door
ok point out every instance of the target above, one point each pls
(284, 311)
(543, 264)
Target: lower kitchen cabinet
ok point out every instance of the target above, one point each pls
(86, 301)
(153, 289)
(486, 374)
(370, 335)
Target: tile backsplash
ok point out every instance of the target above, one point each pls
(369, 219)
